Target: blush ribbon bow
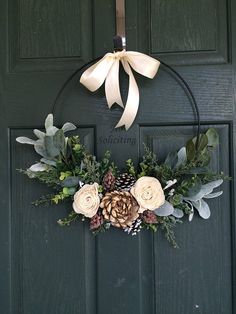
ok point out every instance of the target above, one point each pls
(107, 69)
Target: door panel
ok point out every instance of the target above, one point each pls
(187, 32)
(48, 269)
(46, 262)
(49, 35)
(198, 275)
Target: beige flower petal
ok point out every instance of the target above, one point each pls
(149, 193)
(86, 200)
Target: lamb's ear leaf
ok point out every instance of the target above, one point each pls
(49, 121)
(48, 161)
(202, 208)
(51, 149)
(51, 130)
(38, 167)
(190, 217)
(206, 189)
(171, 159)
(178, 213)
(182, 157)
(25, 140)
(68, 127)
(59, 140)
(213, 195)
(41, 150)
(39, 134)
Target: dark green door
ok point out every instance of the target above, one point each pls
(46, 269)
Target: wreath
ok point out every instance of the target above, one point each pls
(152, 195)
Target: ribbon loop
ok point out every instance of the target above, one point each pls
(107, 69)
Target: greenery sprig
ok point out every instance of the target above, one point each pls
(150, 195)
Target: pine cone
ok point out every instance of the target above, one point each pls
(96, 222)
(120, 208)
(124, 182)
(149, 217)
(109, 181)
(135, 228)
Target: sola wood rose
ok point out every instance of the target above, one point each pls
(120, 208)
(86, 200)
(148, 193)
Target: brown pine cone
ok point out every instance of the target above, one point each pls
(149, 217)
(96, 222)
(124, 182)
(109, 181)
(120, 208)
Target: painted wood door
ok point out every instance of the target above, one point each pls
(46, 269)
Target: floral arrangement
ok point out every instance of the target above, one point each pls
(152, 195)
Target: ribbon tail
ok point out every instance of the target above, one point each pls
(132, 104)
(112, 86)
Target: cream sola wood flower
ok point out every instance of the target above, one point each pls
(87, 200)
(48, 144)
(150, 196)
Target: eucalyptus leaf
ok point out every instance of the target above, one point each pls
(190, 149)
(202, 142)
(25, 140)
(213, 137)
(70, 182)
(165, 210)
(68, 127)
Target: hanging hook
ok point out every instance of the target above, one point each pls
(120, 38)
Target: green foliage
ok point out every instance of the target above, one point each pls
(44, 200)
(69, 164)
(49, 177)
(61, 196)
(130, 167)
(167, 224)
(149, 164)
(72, 217)
(153, 227)
(176, 199)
